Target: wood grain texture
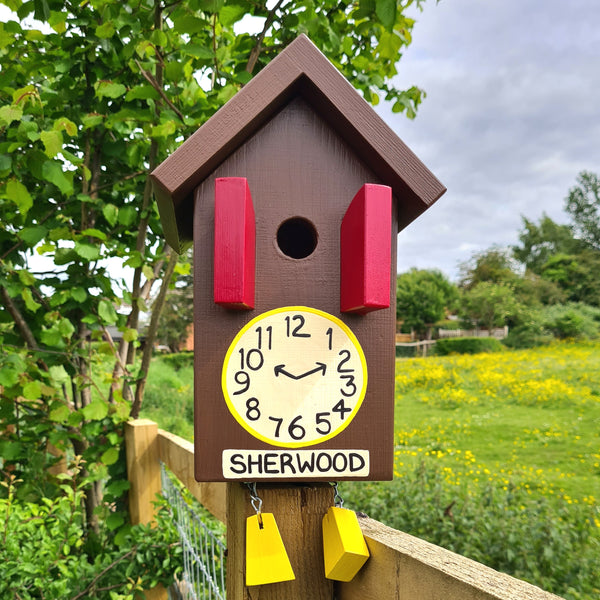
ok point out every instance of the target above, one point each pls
(143, 470)
(365, 251)
(290, 180)
(404, 567)
(178, 455)
(298, 511)
(300, 71)
(235, 236)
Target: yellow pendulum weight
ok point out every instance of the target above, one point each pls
(266, 558)
(344, 548)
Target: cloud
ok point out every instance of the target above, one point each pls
(512, 115)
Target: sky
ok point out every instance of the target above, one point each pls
(512, 115)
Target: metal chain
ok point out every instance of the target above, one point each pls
(337, 499)
(256, 502)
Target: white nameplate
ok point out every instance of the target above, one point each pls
(290, 464)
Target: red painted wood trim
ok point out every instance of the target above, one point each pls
(235, 240)
(366, 251)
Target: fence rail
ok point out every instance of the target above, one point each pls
(401, 566)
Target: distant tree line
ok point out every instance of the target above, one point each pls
(546, 286)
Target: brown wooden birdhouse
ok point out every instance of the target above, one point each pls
(293, 194)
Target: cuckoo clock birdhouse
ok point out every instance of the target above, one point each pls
(293, 195)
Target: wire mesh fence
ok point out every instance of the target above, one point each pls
(203, 548)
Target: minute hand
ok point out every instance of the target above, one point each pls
(279, 369)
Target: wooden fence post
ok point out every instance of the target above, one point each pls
(298, 511)
(143, 473)
(143, 469)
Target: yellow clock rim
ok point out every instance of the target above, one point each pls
(351, 336)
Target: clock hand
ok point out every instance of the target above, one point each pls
(279, 369)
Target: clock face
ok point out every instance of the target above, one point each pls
(294, 376)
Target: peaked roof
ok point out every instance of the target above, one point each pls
(299, 70)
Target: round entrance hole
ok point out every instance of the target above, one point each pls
(297, 237)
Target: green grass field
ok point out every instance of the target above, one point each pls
(528, 417)
(497, 457)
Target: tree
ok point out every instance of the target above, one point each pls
(177, 315)
(540, 242)
(91, 100)
(583, 204)
(576, 275)
(488, 305)
(493, 265)
(423, 298)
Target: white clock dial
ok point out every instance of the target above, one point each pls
(294, 376)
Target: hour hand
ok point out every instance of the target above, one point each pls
(280, 370)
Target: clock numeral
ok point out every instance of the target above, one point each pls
(340, 368)
(252, 412)
(295, 430)
(269, 331)
(329, 334)
(349, 384)
(253, 359)
(322, 421)
(296, 331)
(340, 407)
(242, 378)
(278, 427)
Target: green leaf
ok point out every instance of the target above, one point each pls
(110, 456)
(114, 520)
(58, 374)
(91, 120)
(127, 215)
(26, 278)
(111, 213)
(386, 12)
(231, 13)
(66, 328)
(130, 335)
(212, 6)
(201, 52)
(18, 193)
(164, 129)
(110, 89)
(53, 142)
(95, 410)
(30, 303)
(141, 92)
(94, 233)
(10, 113)
(64, 124)
(189, 24)
(107, 312)
(8, 376)
(79, 294)
(52, 172)
(32, 390)
(32, 235)
(5, 164)
(59, 412)
(87, 251)
(106, 30)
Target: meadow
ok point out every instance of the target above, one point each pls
(497, 457)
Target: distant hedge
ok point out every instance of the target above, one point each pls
(180, 360)
(467, 345)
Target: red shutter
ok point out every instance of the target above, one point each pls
(366, 250)
(234, 244)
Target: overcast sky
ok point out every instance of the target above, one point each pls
(512, 115)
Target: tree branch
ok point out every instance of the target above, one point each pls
(151, 335)
(255, 53)
(150, 79)
(21, 324)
